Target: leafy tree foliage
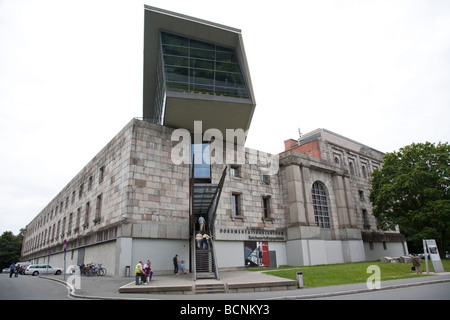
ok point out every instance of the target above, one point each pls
(10, 247)
(411, 190)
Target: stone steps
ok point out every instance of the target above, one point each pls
(206, 288)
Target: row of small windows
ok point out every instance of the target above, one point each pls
(236, 172)
(58, 231)
(236, 211)
(63, 205)
(320, 205)
(351, 167)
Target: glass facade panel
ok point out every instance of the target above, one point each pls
(202, 161)
(194, 66)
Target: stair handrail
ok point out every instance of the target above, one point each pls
(213, 251)
(191, 217)
(194, 258)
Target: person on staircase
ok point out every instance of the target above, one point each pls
(199, 239)
(205, 240)
(201, 222)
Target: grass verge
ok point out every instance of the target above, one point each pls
(347, 273)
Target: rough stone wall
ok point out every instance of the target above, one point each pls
(89, 207)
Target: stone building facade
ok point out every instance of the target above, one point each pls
(131, 202)
(140, 196)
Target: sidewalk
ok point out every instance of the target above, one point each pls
(108, 287)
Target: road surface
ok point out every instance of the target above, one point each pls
(31, 288)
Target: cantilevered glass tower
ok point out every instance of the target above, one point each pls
(195, 70)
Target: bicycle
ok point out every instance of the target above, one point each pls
(101, 271)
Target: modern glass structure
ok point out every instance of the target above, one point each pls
(195, 70)
(193, 66)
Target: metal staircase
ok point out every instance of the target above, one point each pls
(204, 198)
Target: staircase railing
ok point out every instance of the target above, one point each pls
(213, 253)
(211, 215)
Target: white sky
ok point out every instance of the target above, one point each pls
(71, 79)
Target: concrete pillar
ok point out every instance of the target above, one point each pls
(124, 246)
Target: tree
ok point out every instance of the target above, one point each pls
(411, 190)
(10, 247)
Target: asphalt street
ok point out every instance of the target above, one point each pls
(31, 288)
(37, 288)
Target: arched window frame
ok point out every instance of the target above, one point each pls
(321, 205)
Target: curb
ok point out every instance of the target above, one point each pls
(71, 291)
(356, 291)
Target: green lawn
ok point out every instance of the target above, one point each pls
(346, 273)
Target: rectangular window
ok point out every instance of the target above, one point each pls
(90, 183)
(77, 222)
(361, 195)
(98, 210)
(235, 200)
(63, 228)
(69, 229)
(101, 174)
(201, 160)
(265, 179)
(86, 215)
(266, 207)
(235, 171)
(81, 191)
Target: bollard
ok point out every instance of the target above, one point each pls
(127, 271)
(300, 280)
(138, 277)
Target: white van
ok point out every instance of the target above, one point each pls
(36, 269)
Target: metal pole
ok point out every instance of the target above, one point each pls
(425, 251)
(65, 249)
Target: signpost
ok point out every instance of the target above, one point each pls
(430, 248)
(65, 249)
(48, 260)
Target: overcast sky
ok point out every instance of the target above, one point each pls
(71, 79)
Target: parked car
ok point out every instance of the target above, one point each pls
(36, 269)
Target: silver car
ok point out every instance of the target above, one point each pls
(36, 269)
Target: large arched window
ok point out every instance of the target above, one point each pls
(320, 204)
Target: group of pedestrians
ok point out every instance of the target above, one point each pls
(14, 270)
(144, 272)
(178, 265)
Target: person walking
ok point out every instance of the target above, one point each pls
(416, 264)
(199, 239)
(201, 222)
(205, 241)
(175, 264)
(12, 267)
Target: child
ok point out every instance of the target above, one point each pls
(182, 266)
(148, 271)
